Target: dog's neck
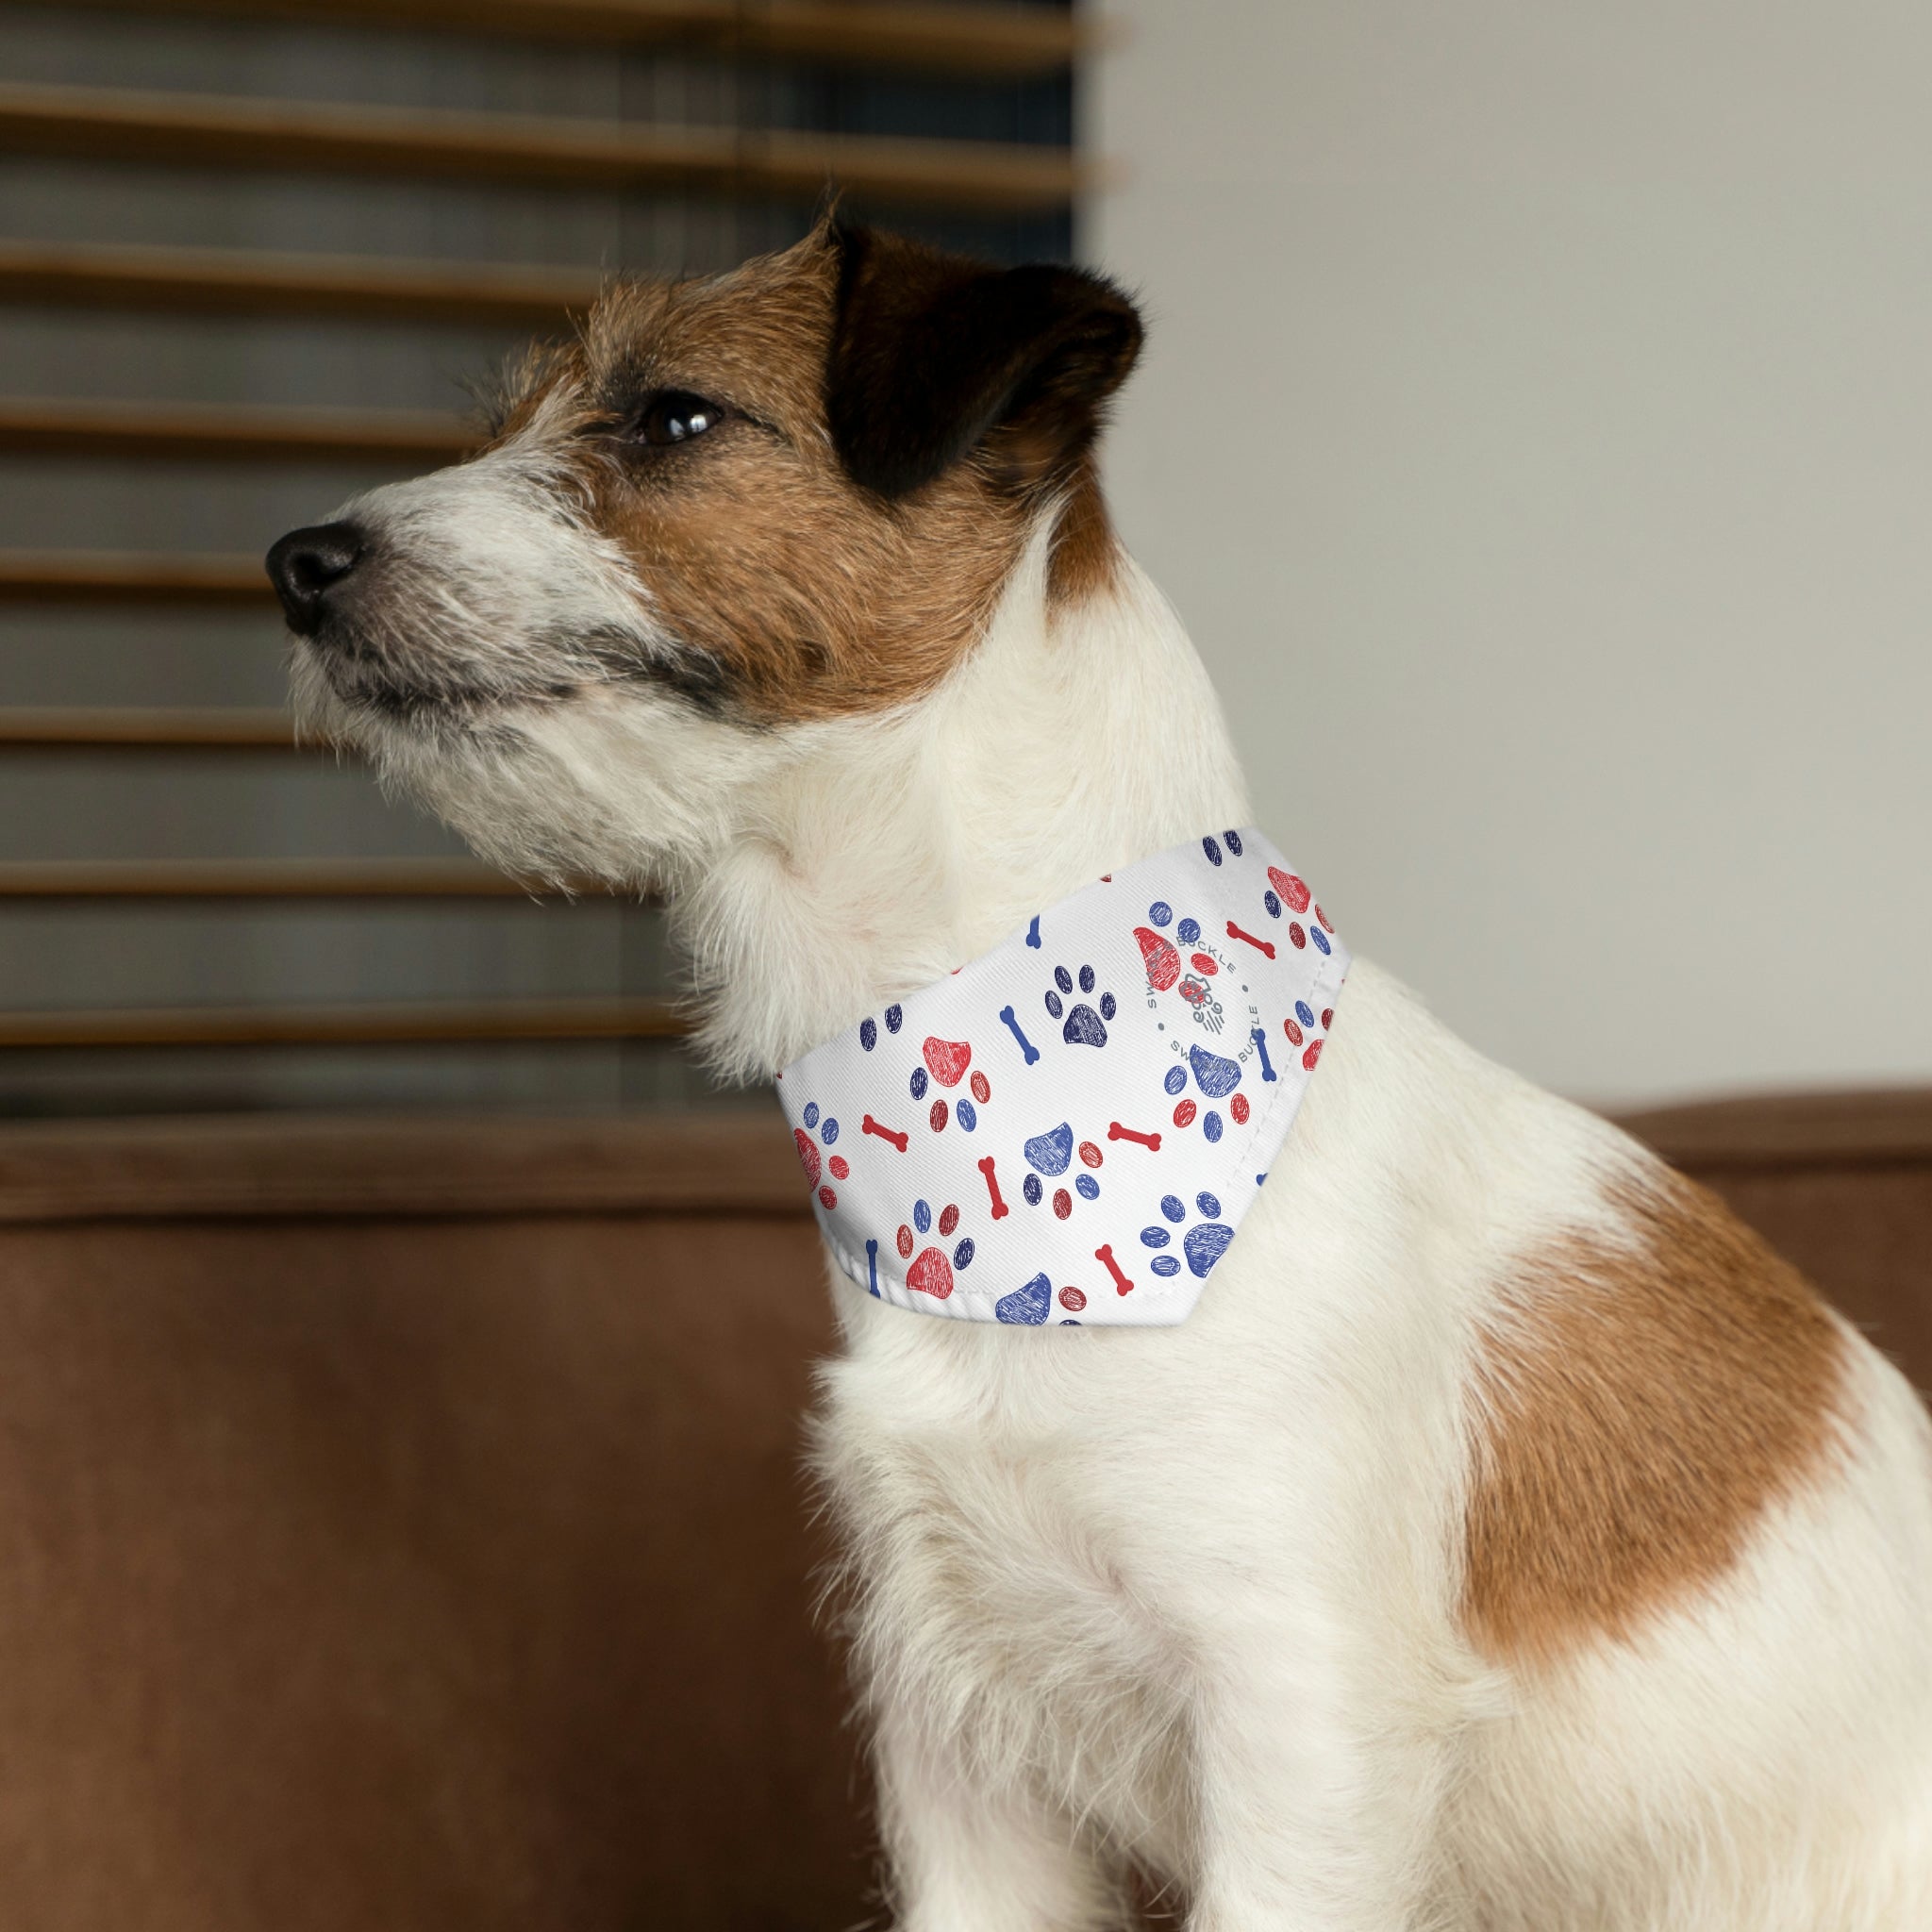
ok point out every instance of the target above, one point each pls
(890, 850)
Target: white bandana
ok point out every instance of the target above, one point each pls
(1071, 1128)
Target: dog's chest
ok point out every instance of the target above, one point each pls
(999, 1571)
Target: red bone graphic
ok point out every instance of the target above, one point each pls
(1105, 1254)
(948, 1059)
(1162, 963)
(1234, 932)
(1116, 1132)
(993, 1188)
(869, 1126)
(1295, 895)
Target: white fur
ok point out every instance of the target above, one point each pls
(1188, 1596)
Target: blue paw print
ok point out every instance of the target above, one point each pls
(1027, 1306)
(1203, 1244)
(869, 1028)
(1216, 1077)
(1082, 1026)
(1051, 1154)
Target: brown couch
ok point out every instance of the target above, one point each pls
(401, 1524)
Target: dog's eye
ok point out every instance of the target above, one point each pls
(675, 415)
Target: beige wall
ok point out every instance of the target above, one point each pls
(1536, 435)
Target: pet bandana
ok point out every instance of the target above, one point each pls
(1069, 1129)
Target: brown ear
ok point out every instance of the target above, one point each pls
(934, 355)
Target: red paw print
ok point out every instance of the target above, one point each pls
(809, 1157)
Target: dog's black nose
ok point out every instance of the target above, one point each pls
(305, 565)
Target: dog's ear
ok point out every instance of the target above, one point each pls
(934, 355)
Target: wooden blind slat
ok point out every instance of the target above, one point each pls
(257, 879)
(952, 39)
(414, 1024)
(130, 576)
(90, 727)
(962, 40)
(111, 123)
(237, 282)
(63, 427)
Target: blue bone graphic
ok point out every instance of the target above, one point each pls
(1012, 1025)
(1260, 1039)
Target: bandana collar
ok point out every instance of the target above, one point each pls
(1071, 1130)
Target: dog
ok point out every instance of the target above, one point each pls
(1507, 1540)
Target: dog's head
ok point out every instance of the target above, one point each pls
(733, 509)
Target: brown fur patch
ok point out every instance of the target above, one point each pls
(794, 592)
(1642, 1406)
(1086, 552)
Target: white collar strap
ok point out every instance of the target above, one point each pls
(1071, 1128)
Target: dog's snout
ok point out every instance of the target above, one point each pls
(306, 565)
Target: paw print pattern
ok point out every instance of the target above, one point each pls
(826, 1131)
(1299, 1030)
(1217, 1078)
(931, 1270)
(1081, 1026)
(1203, 1244)
(1029, 1305)
(1287, 890)
(869, 1028)
(1172, 965)
(1052, 1154)
(1158, 954)
(946, 1062)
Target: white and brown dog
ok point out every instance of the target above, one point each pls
(1557, 1562)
